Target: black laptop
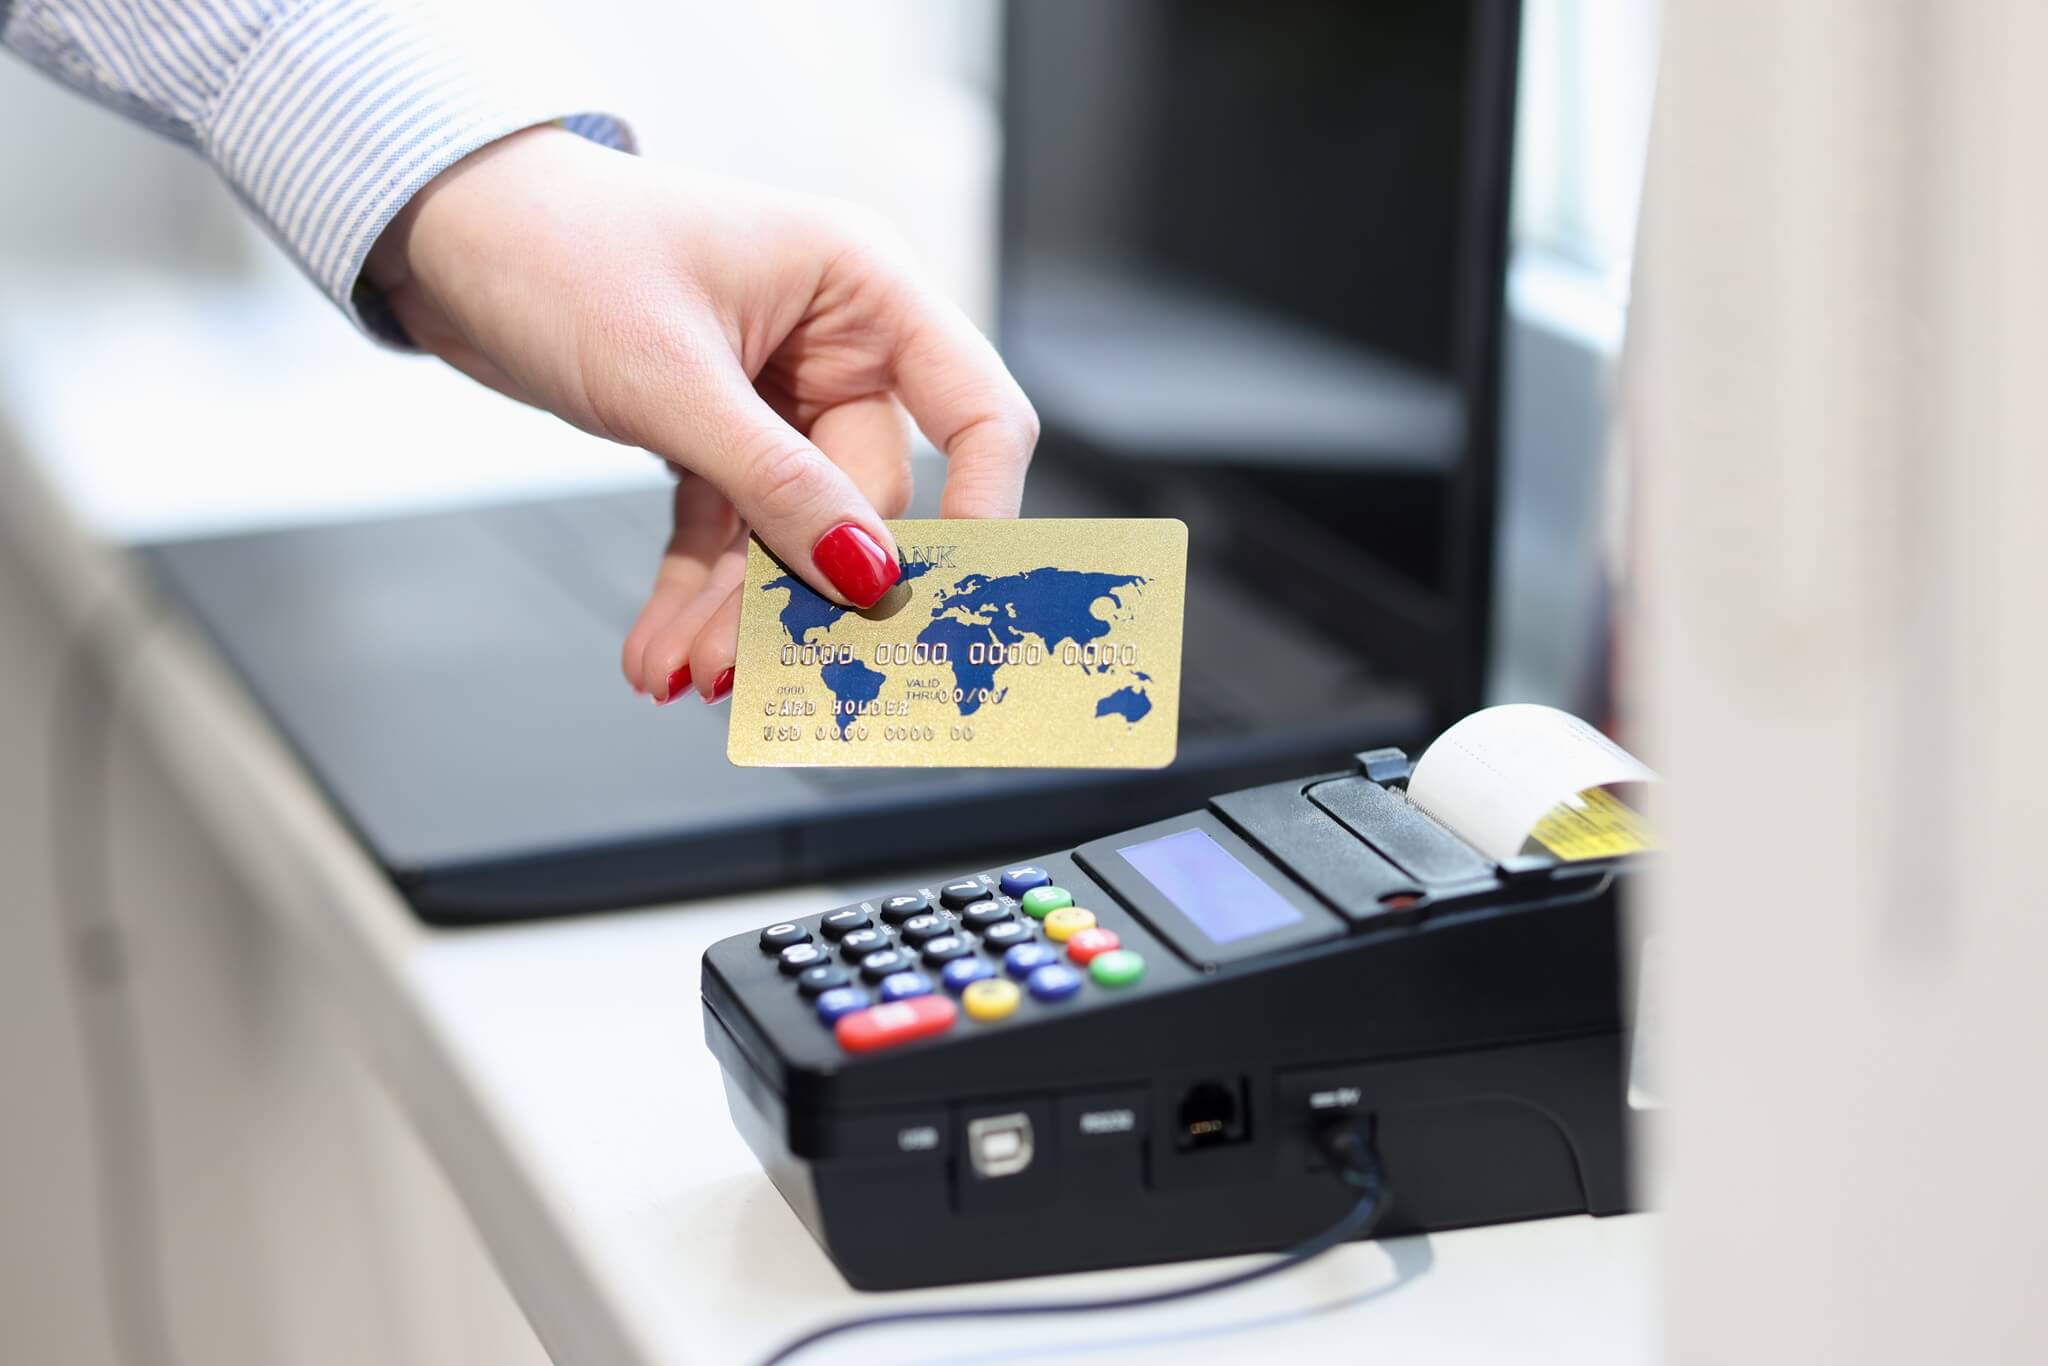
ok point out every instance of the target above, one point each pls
(1252, 276)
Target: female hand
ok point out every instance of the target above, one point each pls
(766, 344)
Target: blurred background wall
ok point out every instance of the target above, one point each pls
(891, 103)
(1588, 73)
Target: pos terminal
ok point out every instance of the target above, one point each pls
(1127, 1052)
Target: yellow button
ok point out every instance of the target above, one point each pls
(990, 999)
(1066, 922)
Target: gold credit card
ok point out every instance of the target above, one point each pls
(1049, 643)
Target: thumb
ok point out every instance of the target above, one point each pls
(805, 509)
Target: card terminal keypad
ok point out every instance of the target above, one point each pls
(989, 946)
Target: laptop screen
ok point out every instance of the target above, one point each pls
(1253, 259)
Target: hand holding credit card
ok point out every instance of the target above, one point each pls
(1049, 643)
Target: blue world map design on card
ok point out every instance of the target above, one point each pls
(1051, 607)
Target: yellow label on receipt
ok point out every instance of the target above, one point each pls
(1006, 644)
(1594, 824)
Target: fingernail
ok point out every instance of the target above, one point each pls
(720, 686)
(677, 681)
(861, 570)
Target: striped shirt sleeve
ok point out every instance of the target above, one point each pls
(324, 116)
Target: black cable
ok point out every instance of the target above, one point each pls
(1358, 1165)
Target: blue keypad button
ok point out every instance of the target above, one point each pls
(876, 966)
(961, 971)
(1026, 959)
(841, 1001)
(1053, 982)
(1017, 881)
(1006, 934)
(901, 986)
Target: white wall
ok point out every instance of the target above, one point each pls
(1838, 433)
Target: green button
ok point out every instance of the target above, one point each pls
(1117, 968)
(1041, 902)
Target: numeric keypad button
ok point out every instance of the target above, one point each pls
(919, 928)
(821, 978)
(841, 923)
(944, 949)
(897, 909)
(1006, 935)
(858, 944)
(965, 892)
(876, 966)
(983, 914)
(776, 938)
(797, 957)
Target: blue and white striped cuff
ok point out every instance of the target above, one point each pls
(345, 109)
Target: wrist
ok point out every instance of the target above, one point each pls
(407, 242)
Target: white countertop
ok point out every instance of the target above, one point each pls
(559, 1073)
(585, 1038)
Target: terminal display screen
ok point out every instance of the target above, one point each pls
(1221, 897)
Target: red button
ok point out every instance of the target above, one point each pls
(887, 1025)
(1085, 944)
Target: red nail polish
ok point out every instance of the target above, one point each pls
(720, 686)
(861, 570)
(677, 681)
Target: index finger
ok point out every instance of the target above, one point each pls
(962, 397)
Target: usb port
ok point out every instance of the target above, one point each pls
(999, 1145)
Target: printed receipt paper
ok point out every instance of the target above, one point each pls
(1514, 776)
(1046, 643)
